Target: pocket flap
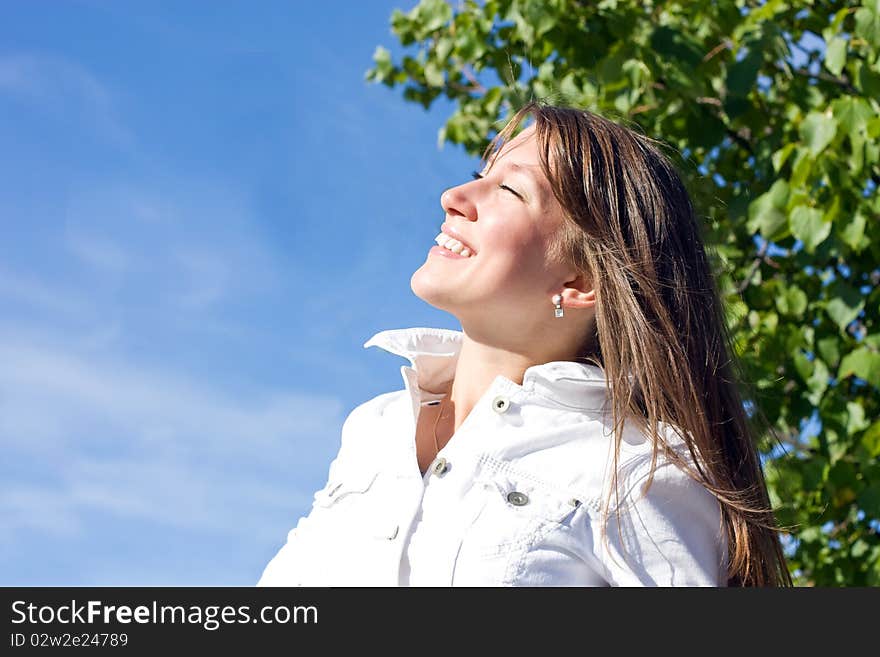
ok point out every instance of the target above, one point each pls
(526, 495)
(345, 482)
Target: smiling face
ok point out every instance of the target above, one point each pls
(509, 215)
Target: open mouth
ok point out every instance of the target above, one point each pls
(453, 246)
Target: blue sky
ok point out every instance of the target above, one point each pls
(204, 217)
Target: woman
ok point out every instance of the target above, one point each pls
(584, 428)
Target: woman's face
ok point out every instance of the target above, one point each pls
(509, 216)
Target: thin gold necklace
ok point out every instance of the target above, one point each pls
(436, 421)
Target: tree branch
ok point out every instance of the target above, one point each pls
(762, 253)
(791, 440)
(842, 81)
(721, 46)
(739, 139)
(641, 108)
(475, 84)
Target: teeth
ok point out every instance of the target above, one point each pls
(453, 245)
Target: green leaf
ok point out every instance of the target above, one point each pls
(853, 233)
(835, 55)
(802, 365)
(541, 17)
(810, 535)
(818, 381)
(832, 29)
(433, 74)
(767, 212)
(817, 130)
(852, 115)
(856, 420)
(741, 75)
(868, 26)
(833, 209)
(800, 170)
(793, 302)
(867, 80)
(842, 474)
(780, 156)
(434, 14)
(829, 349)
(444, 46)
(678, 44)
(383, 66)
(808, 225)
(871, 440)
(859, 548)
(844, 304)
(862, 362)
(869, 500)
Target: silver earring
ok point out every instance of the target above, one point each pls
(557, 301)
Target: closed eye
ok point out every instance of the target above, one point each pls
(477, 176)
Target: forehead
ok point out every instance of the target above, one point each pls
(522, 149)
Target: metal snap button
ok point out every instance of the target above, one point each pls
(440, 466)
(500, 404)
(517, 499)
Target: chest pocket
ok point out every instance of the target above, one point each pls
(345, 483)
(351, 503)
(517, 511)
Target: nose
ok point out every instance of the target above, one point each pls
(457, 202)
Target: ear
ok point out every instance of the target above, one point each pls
(578, 293)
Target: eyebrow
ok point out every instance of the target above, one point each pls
(525, 169)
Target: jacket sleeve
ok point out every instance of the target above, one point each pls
(285, 567)
(670, 535)
(296, 560)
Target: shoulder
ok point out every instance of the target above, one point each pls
(643, 480)
(375, 407)
(359, 426)
(666, 531)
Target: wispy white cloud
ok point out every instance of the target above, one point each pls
(97, 430)
(65, 89)
(29, 289)
(183, 243)
(207, 274)
(98, 252)
(30, 507)
(141, 442)
(105, 421)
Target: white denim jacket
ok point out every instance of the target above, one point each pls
(513, 499)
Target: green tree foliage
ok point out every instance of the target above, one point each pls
(773, 108)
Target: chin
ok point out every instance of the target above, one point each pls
(433, 294)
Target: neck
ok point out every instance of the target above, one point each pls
(477, 366)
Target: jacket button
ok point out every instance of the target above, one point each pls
(518, 499)
(440, 466)
(500, 404)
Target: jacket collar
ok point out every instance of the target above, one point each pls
(433, 354)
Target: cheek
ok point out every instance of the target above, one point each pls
(517, 256)
(512, 239)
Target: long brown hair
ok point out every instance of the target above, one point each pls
(659, 332)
